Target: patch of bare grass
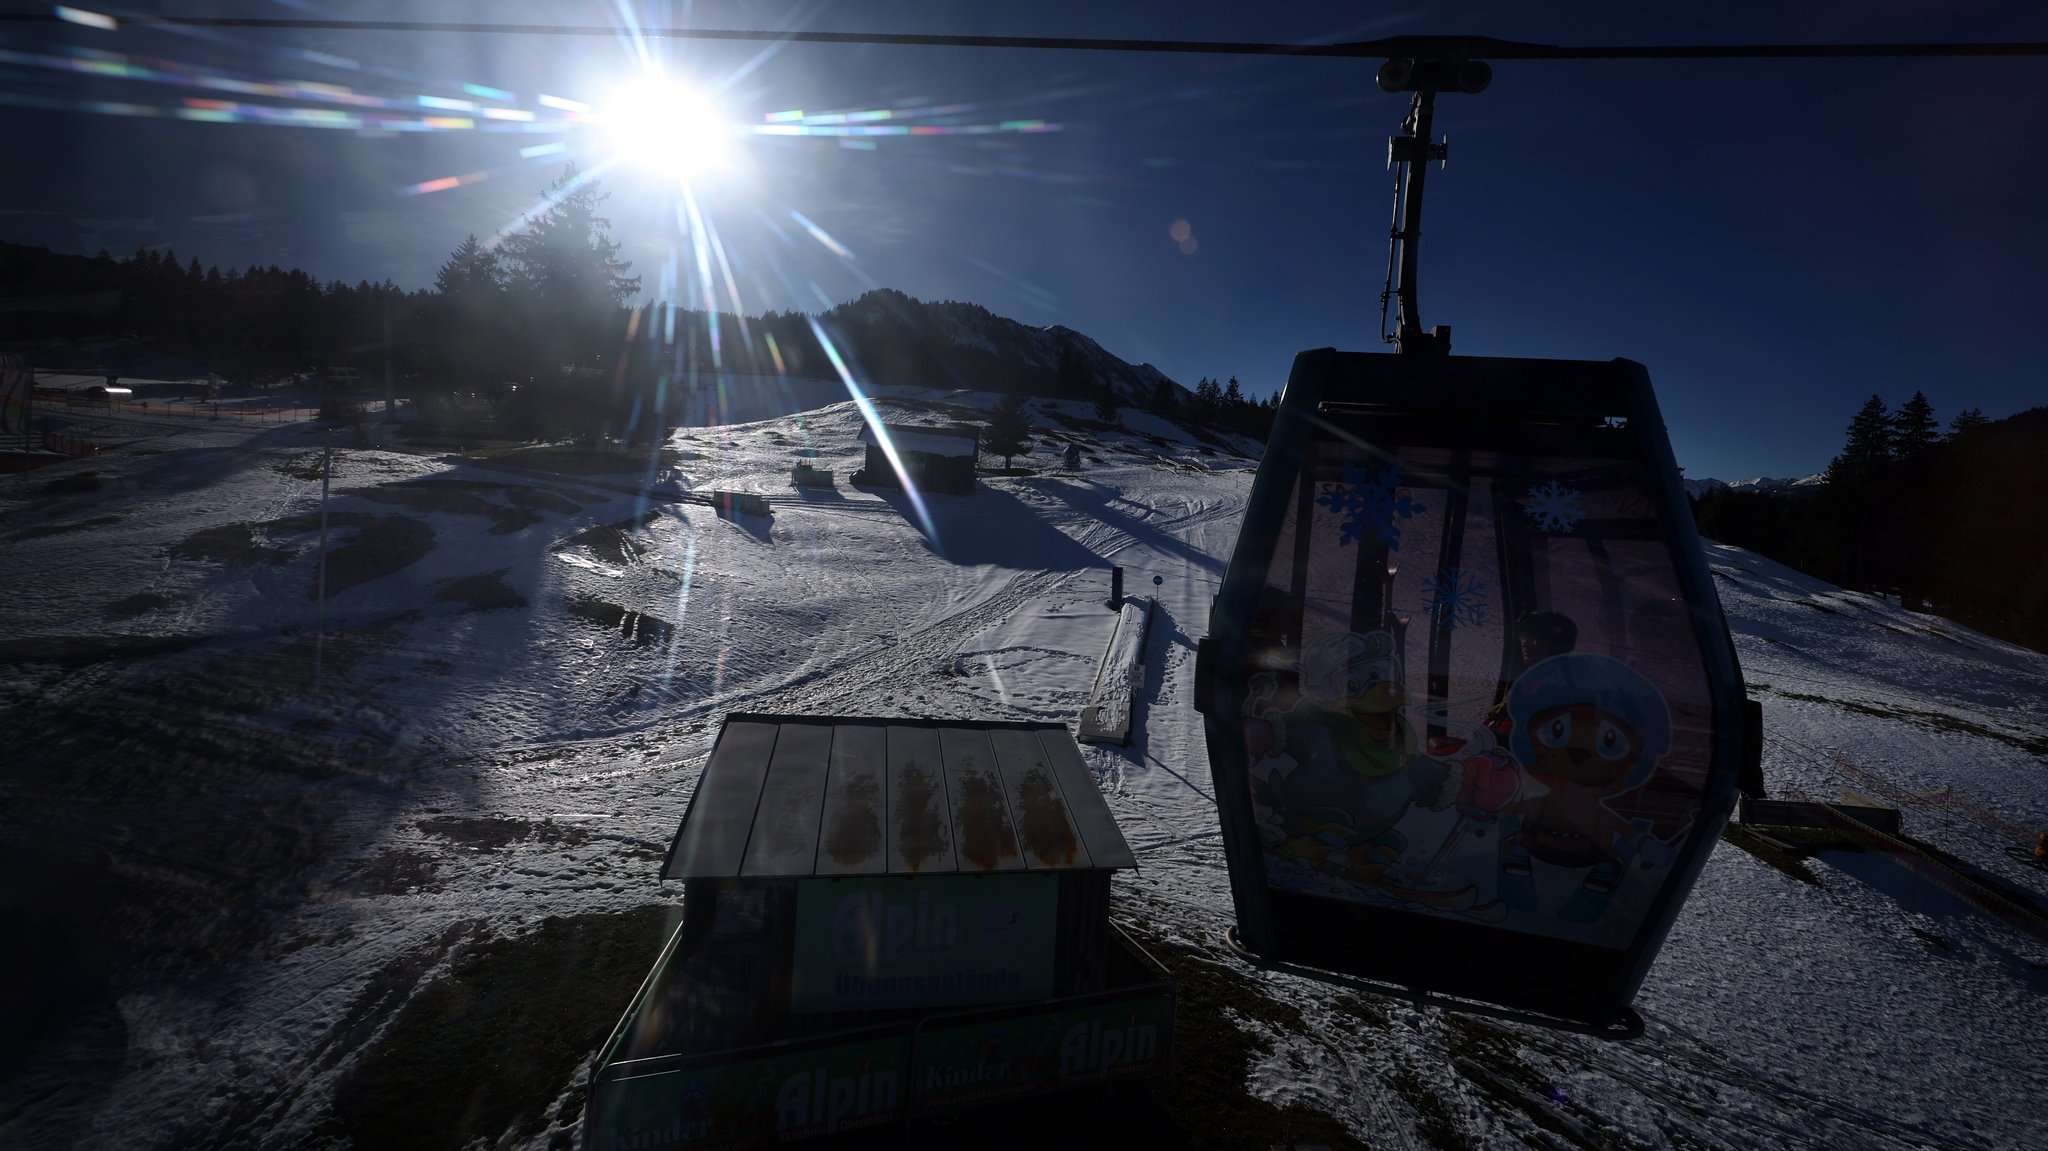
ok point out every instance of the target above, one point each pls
(568, 460)
(612, 542)
(425, 496)
(541, 499)
(641, 629)
(485, 833)
(230, 544)
(375, 547)
(85, 650)
(484, 591)
(306, 465)
(139, 603)
(62, 529)
(399, 871)
(481, 1051)
(73, 485)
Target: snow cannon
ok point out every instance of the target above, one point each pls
(1473, 713)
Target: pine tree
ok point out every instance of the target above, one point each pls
(471, 319)
(1914, 428)
(1914, 431)
(1233, 395)
(1008, 431)
(1106, 405)
(1965, 420)
(566, 268)
(1869, 445)
(470, 268)
(1858, 486)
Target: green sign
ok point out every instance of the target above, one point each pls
(996, 1058)
(933, 941)
(821, 1090)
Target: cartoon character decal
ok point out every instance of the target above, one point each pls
(1351, 802)
(1586, 729)
(1355, 769)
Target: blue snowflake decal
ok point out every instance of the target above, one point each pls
(1370, 501)
(1555, 507)
(1454, 597)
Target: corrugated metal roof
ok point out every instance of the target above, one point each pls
(786, 796)
(930, 441)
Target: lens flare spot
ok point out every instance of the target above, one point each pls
(87, 19)
(657, 122)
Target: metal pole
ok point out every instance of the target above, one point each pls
(1408, 333)
(320, 635)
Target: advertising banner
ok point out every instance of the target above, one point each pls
(998, 1057)
(756, 1102)
(934, 941)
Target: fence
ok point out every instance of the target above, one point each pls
(77, 447)
(1944, 799)
(178, 409)
(1972, 892)
(1922, 866)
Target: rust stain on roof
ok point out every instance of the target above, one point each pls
(985, 836)
(856, 831)
(789, 796)
(1048, 833)
(921, 829)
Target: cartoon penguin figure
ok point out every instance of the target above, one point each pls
(1588, 728)
(1356, 770)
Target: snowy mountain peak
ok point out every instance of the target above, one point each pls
(1699, 487)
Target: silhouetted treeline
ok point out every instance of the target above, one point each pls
(1953, 523)
(252, 324)
(1225, 406)
(531, 329)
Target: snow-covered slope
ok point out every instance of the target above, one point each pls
(231, 867)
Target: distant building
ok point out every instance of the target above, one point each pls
(935, 459)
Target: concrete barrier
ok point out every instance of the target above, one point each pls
(1107, 717)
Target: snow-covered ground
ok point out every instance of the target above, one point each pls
(543, 657)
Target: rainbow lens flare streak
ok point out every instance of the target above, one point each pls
(691, 219)
(675, 650)
(297, 101)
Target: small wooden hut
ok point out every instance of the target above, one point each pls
(934, 459)
(839, 870)
(883, 920)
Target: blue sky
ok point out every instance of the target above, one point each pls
(1775, 240)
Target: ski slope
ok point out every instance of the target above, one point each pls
(550, 661)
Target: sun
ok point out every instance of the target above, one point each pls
(664, 125)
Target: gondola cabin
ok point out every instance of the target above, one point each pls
(1473, 713)
(882, 919)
